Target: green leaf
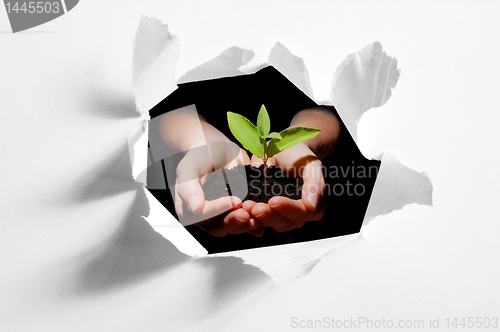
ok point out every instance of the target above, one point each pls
(274, 135)
(263, 122)
(246, 133)
(289, 138)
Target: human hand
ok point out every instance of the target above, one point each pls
(282, 213)
(221, 216)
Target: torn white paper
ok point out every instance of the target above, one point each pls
(284, 263)
(155, 56)
(363, 81)
(226, 64)
(138, 152)
(397, 186)
(165, 224)
(292, 67)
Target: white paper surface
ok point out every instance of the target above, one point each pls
(364, 80)
(290, 261)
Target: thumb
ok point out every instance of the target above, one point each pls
(189, 189)
(192, 195)
(314, 185)
(187, 183)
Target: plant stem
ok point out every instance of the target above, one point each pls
(264, 159)
(265, 169)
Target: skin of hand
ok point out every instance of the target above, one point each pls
(221, 216)
(282, 213)
(207, 150)
(303, 161)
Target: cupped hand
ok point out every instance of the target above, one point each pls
(221, 216)
(282, 213)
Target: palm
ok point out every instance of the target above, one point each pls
(281, 213)
(218, 217)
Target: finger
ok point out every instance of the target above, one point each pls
(191, 193)
(244, 158)
(223, 153)
(258, 232)
(288, 208)
(195, 163)
(179, 207)
(248, 205)
(271, 218)
(314, 185)
(210, 210)
(255, 161)
(230, 223)
(296, 210)
(241, 159)
(251, 225)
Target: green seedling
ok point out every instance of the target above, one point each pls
(254, 138)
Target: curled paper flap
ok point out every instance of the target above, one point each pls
(364, 80)
(226, 64)
(138, 152)
(292, 67)
(167, 226)
(153, 70)
(397, 185)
